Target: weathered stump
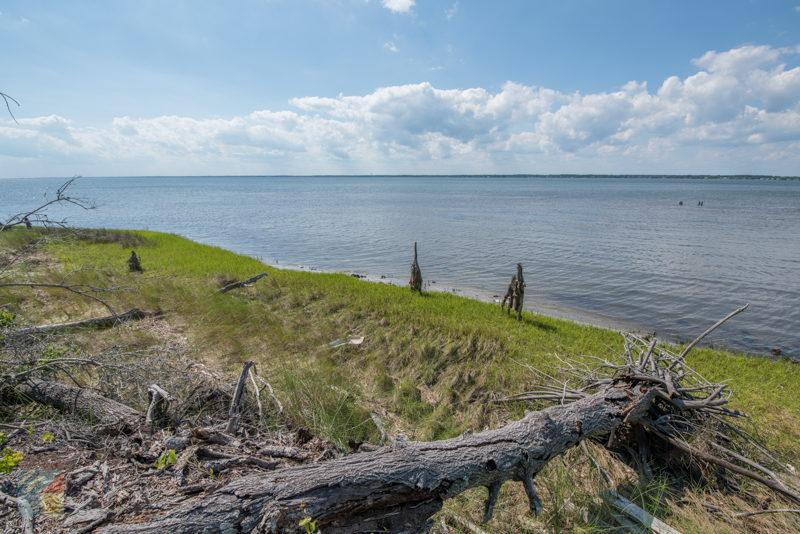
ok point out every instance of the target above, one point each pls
(515, 293)
(134, 265)
(416, 274)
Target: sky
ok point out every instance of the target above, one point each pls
(263, 87)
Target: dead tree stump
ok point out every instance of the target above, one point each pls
(416, 274)
(134, 265)
(515, 293)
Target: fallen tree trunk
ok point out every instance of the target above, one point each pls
(97, 322)
(398, 488)
(81, 401)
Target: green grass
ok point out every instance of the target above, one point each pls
(430, 364)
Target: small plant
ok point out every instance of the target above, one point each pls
(7, 319)
(167, 458)
(52, 352)
(9, 458)
(48, 437)
(309, 524)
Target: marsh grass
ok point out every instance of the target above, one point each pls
(431, 365)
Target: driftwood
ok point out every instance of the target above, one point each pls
(397, 488)
(242, 283)
(416, 273)
(515, 293)
(97, 322)
(82, 401)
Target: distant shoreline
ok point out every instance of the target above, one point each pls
(478, 175)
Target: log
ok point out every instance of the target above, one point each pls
(96, 322)
(82, 401)
(398, 488)
(242, 283)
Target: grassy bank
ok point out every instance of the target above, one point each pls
(430, 365)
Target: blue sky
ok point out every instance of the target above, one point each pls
(400, 86)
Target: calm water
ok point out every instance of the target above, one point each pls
(617, 251)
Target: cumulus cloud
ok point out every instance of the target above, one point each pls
(739, 112)
(398, 6)
(390, 46)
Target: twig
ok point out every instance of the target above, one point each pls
(775, 511)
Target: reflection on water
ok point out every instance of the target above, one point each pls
(616, 249)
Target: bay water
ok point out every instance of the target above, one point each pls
(613, 251)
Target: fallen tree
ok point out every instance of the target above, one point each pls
(397, 488)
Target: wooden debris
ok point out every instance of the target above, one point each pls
(399, 487)
(416, 273)
(24, 509)
(97, 322)
(242, 283)
(234, 412)
(624, 505)
(515, 294)
(134, 264)
(158, 405)
(81, 401)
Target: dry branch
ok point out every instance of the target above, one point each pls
(97, 322)
(242, 283)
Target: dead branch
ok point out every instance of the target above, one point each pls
(7, 99)
(97, 322)
(38, 214)
(242, 283)
(685, 406)
(234, 412)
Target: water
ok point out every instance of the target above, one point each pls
(611, 251)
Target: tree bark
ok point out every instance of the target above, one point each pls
(397, 488)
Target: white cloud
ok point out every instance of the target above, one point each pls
(398, 6)
(739, 113)
(451, 12)
(390, 46)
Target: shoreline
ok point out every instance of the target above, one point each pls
(556, 310)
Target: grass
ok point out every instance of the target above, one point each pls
(430, 365)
